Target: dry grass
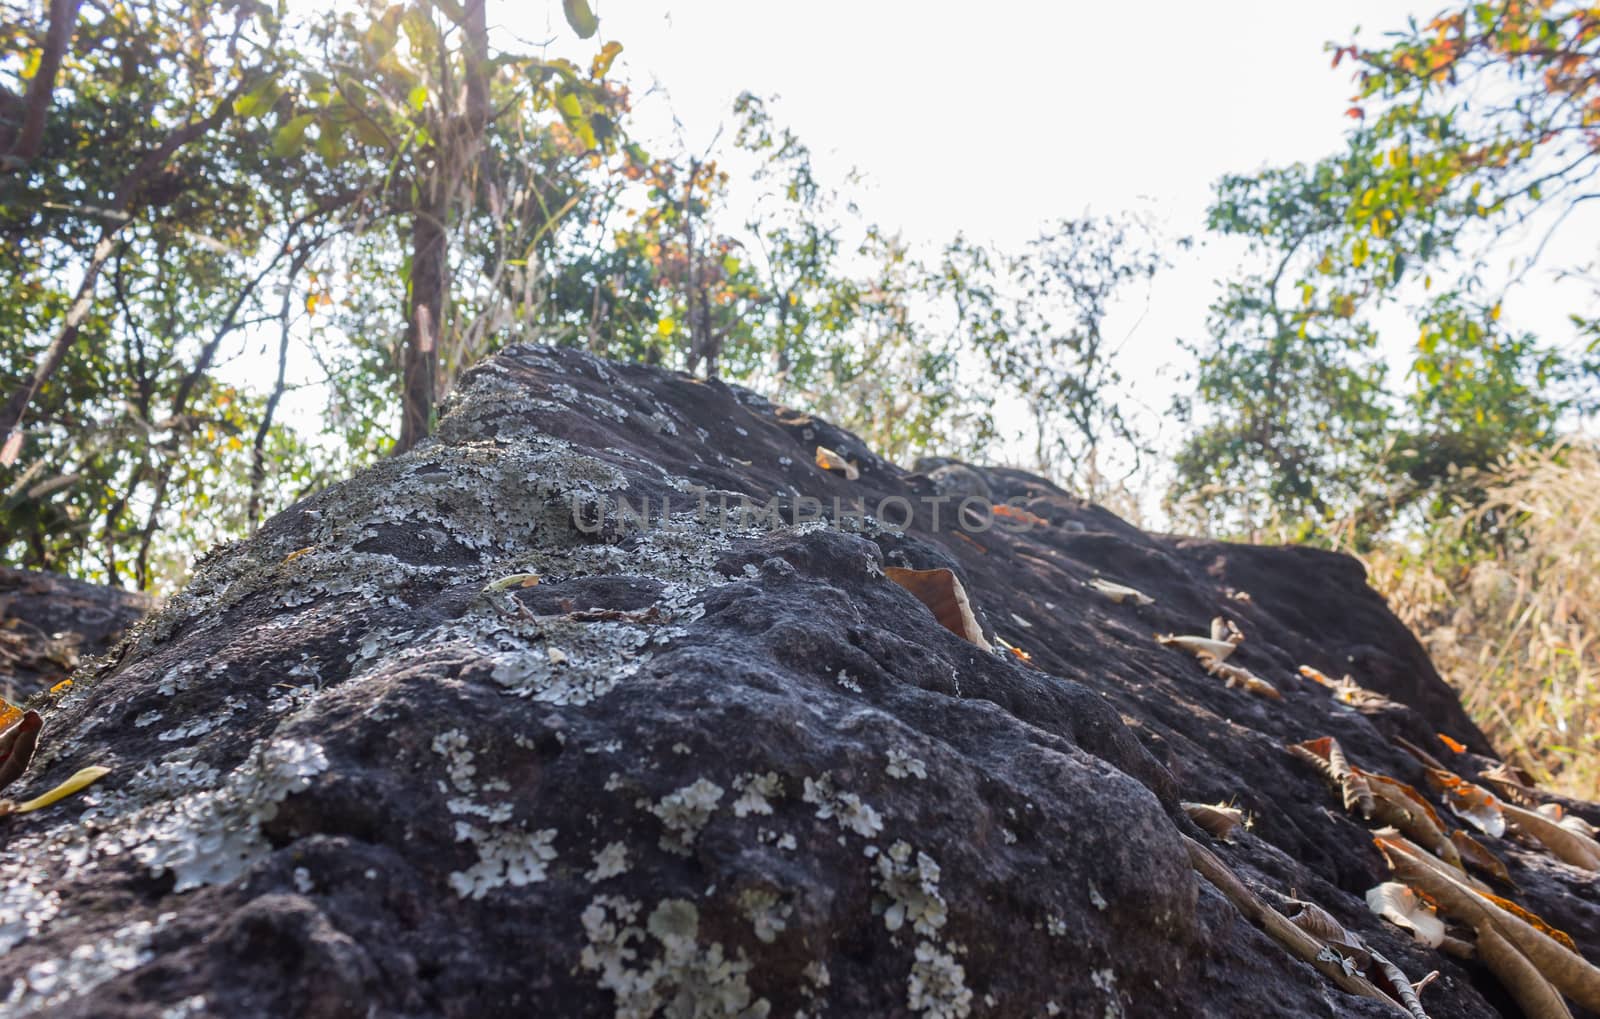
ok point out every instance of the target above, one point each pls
(1516, 628)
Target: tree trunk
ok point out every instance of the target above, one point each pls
(425, 312)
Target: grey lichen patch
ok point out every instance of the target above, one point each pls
(55, 982)
(767, 913)
(505, 857)
(211, 836)
(686, 979)
(756, 793)
(851, 811)
(684, 812)
(903, 765)
(909, 881)
(609, 862)
(937, 986)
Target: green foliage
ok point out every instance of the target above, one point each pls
(1295, 417)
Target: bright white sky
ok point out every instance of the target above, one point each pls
(992, 118)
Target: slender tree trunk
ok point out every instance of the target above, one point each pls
(58, 37)
(50, 360)
(425, 312)
(461, 140)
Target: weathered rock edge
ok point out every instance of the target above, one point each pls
(696, 770)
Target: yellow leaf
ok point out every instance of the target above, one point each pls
(79, 781)
(1494, 313)
(666, 327)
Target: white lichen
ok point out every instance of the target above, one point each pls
(685, 980)
(505, 857)
(211, 836)
(903, 765)
(609, 862)
(684, 812)
(910, 884)
(937, 986)
(756, 793)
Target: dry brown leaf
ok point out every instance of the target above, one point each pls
(1533, 992)
(1402, 906)
(17, 745)
(1424, 758)
(1217, 819)
(1393, 980)
(828, 460)
(1567, 845)
(1325, 754)
(1403, 807)
(1477, 856)
(1217, 649)
(1512, 789)
(1571, 973)
(1316, 675)
(1472, 803)
(1224, 630)
(1119, 593)
(1237, 675)
(942, 592)
(1300, 944)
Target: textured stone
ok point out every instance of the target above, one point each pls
(363, 766)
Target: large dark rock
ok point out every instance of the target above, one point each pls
(49, 624)
(361, 769)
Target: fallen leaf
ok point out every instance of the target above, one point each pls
(1400, 905)
(1237, 675)
(1224, 630)
(17, 745)
(556, 655)
(1217, 819)
(828, 460)
(1453, 744)
(1119, 594)
(1327, 756)
(514, 580)
(942, 592)
(1472, 803)
(1477, 856)
(1402, 806)
(1217, 649)
(1567, 845)
(80, 780)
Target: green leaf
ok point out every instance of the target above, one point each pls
(257, 101)
(580, 17)
(290, 138)
(418, 97)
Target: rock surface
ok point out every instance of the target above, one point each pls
(364, 766)
(48, 624)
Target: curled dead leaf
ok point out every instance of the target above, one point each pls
(1402, 906)
(1238, 675)
(1217, 649)
(1225, 630)
(828, 460)
(1119, 593)
(1566, 845)
(80, 780)
(1509, 785)
(1392, 980)
(1325, 754)
(514, 580)
(942, 592)
(1477, 856)
(1472, 803)
(17, 745)
(1533, 992)
(1402, 806)
(1571, 973)
(1217, 819)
